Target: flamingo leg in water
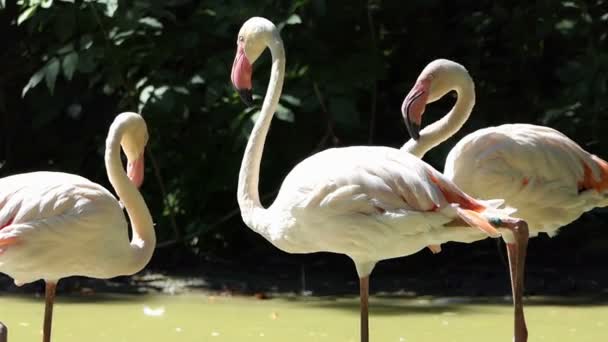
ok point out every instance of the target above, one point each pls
(48, 310)
(364, 295)
(517, 262)
(3, 333)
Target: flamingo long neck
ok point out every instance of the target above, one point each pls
(252, 211)
(449, 124)
(143, 241)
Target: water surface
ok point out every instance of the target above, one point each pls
(202, 317)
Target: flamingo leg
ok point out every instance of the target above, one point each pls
(3, 333)
(48, 310)
(364, 295)
(517, 262)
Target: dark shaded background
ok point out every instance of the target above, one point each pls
(68, 67)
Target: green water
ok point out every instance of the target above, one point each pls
(201, 317)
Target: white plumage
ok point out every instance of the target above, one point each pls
(65, 224)
(537, 170)
(55, 225)
(370, 203)
(549, 178)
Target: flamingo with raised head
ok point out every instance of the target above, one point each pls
(55, 225)
(546, 176)
(369, 203)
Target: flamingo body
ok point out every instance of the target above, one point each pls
(370, 203)
(60, 225)
(549, 178)
(54, 225)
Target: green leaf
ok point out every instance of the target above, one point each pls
(25, 15)
(46, 3)
(293, 19)
(292, 100)
(152, 22)
(285, 114)
(50, 73)
(34, 80)
(69, 64)
(111, 7)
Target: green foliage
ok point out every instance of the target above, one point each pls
(70, 66)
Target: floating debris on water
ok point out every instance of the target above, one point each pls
(156, 312)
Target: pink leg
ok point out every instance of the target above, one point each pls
(517, 262)
(364, 294)
(48, 310)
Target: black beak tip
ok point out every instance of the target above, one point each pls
(413, 129)
(246, 96)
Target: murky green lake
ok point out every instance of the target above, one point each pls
(201, 317)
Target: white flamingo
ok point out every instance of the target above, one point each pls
(55, 225)
(547, 177)
(369, 203)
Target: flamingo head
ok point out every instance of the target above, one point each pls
(414, 104)
(133, 144)
(255, 34)
(437, 79)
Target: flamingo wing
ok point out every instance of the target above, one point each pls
(376, 197)
(549, 178)
(57, 225)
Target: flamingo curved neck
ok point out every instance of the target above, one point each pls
(448, 125)
(143, 241)
(252, 211)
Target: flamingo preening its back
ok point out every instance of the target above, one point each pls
(369, 203)
(55, 225)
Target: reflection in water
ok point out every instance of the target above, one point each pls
(200, 317)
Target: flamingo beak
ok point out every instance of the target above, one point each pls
(241, 75)
(135, 170)
(413, 107)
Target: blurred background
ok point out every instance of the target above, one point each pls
(68, 67)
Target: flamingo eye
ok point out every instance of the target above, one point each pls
(241, 38)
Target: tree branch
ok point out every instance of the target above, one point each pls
(374, 91)
(329, 131)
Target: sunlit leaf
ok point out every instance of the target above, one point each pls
(293, 19)
(197, 79)
(152, 22)
(111, 7)
(50, 74)
(565, 25)
(69, 64)
(283, 113)
(292, 100)
(25, 15)
(46, 3)
(34, 81)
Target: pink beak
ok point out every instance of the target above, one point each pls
(413, 107)
(135, 171)
(241, 75)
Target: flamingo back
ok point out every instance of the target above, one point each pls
(549, 178)
(370, 203)
(56, 225)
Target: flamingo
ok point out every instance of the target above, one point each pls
(55, 225)
(369, 203)
(546, 176)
